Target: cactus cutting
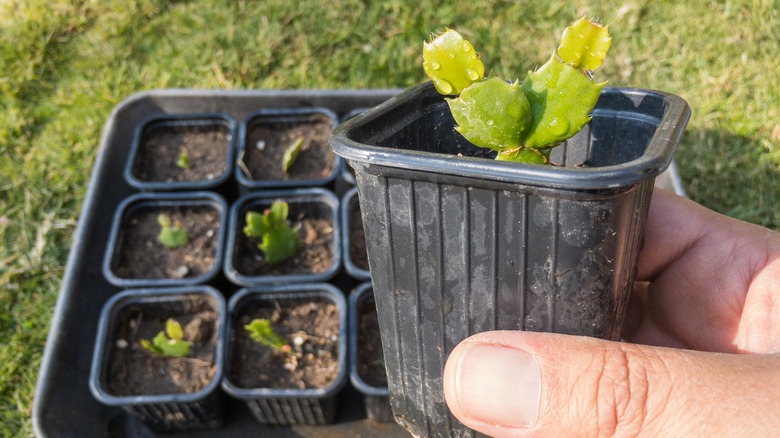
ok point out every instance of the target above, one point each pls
(522, 122)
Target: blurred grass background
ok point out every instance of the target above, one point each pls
(65, 64)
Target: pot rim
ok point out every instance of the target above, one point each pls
(656, 158)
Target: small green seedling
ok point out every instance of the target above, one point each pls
(279, 240)
(521, 122)
(260, 331)
(172, 235)
(291, 154)
(170, 343)
(183, 161)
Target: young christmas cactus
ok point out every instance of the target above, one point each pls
(260, 331)
(279, 240)
(521, 122)
(169, 343)
(172, 234)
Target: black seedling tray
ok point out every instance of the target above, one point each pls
(63, 404)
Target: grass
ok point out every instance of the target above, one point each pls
(65, 64)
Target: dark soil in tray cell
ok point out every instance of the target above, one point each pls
(140, 255)
(133, 370)
(316, 362)
(314, 257)
(267, 141)
(206, 146)
(370, 360)
(357, 238)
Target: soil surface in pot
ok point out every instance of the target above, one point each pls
(371, 364)
(314, 257)
(267, 141)
(357, 238)
(316, 360)
(140, 255)
(133, 370)
(206, 146)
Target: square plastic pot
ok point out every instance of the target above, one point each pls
(281, 121)
(288, 406)
(313, 203)
(202, 124)
(203, 409)
(463, 244)
(149, 203)
(375, 397)
(349, 205)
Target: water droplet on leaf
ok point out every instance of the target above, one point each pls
(559, 126)
(435, 65)
(472, 74)
(444, 86)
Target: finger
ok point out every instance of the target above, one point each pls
(517, 384)
(705, 272)
(674, 225)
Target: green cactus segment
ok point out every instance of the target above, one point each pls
(584, 44)
(172, 235)
(279, 241)
(291, 154)
(561, 99)
(183, 161)
(260, 331)
(492, 114)
(451, 63)
(170, 343)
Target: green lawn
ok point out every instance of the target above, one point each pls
(65, 64)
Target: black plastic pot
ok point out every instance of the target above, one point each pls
(203, 409)
(461, 245)
(282, 120)
(375, 397)
(314, 203)
(197, 123)
(151, 204)
(349, 205)
(285, 406)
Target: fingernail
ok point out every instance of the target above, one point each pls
(498, 385)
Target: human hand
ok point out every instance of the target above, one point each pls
(709, 322)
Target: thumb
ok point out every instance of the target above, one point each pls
(517, 384)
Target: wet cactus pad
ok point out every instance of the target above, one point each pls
(492, 114)
(451, 63)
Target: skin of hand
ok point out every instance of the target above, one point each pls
(703, 357)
